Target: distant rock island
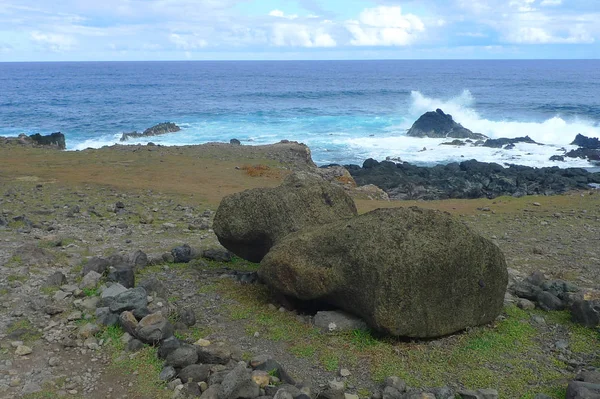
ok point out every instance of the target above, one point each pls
(160, 129)
(440, 125)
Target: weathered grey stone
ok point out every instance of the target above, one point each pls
(586, 313)
(134, 298)
(167, 374)
(154, 328)
(182, 356)
(182, 254)
(96, 264)
(195, 373)
(217, 254)
(548, 301)
(168, 346)
(113, 291)
(238, 384)
(128, 322)
(125, 277)
(583, 390)
(525, 304)
(212, 392)
(154, 286)
(90, 280)
(407, 271)
(251, 222)
(105, 317)
(213, 354)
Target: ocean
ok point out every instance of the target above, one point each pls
(345, 111)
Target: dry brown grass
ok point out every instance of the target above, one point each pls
(261, 171)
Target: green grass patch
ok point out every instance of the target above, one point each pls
(91, 291)
(14, 261)
(507, 356)
(581, 339)
(28, 333)
(16, 277)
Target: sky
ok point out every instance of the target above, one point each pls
(125, 30)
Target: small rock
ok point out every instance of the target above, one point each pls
(23, 350)
(182, 254)
(525, 304)
(90, 280)
(182, 356)
(202, 342)
(345, 373)
(167, 374)
(195, 373)
(88, 330)
(124, 277)
(261, 378)
(74, 316)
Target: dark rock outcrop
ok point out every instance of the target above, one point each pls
(469, 179)
(251, 222)
(422, 274)
(157, 130)
(504, 142)
(52, 140)
(591, 143)
(585, 153)
(440, 125)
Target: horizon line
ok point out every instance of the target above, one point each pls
(309, 60)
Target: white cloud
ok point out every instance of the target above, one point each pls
(187, 41)
(54, 42)
(471, 34)
(533, 35)
(298, 35)
(281, 14)
(551, 3)
(384, 26)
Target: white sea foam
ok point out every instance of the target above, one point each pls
(555, 130)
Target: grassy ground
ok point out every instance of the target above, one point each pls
(558, 235)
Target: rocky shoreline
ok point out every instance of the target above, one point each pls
(469, 179)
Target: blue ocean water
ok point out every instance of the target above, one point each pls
(346, 111)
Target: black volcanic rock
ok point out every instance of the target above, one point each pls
(52, 140)
(470, 179)
(440, 125)
(584, 153)
(502, 142)
(591, 143)
(157, 130)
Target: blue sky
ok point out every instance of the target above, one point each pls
(88, 30)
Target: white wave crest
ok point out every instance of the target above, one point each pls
(555, 130)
